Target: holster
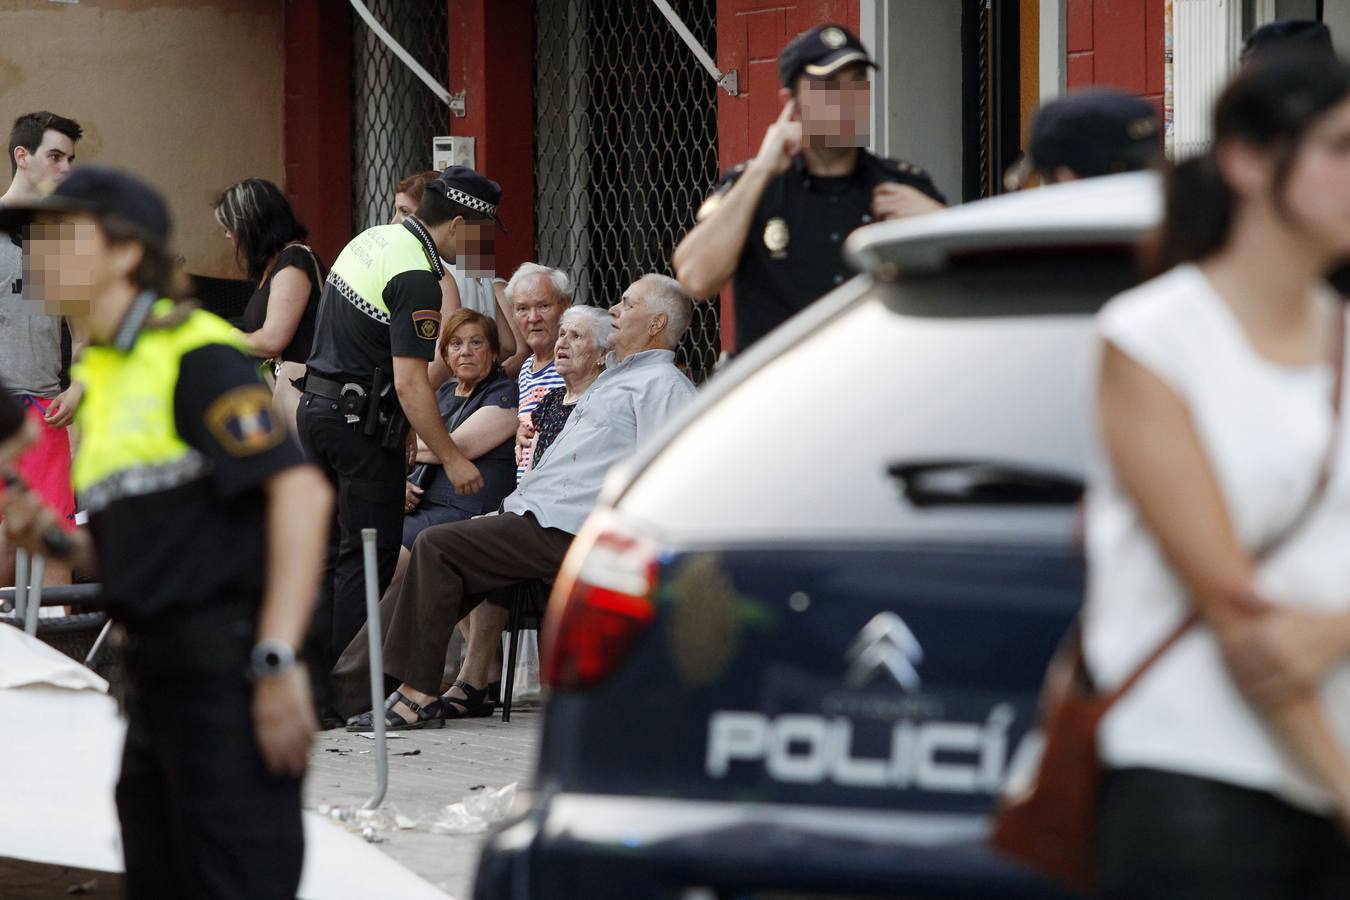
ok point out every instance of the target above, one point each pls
(384, 418)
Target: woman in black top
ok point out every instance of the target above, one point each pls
(478, 405)
(269, 247)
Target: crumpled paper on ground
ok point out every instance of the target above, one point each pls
(371, 824)
(476, 813)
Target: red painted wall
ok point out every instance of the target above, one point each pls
(1117, 43)
(750, 34)
(492, 60)
(318, 125)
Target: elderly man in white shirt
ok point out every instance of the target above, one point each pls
(454, 566)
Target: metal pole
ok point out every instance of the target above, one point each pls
(21, 570)
(376, 669)
(35, 594)
(726, 81)
(98, 644)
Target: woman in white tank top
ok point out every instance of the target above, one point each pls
(1229, 761)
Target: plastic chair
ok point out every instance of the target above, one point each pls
(528, 600)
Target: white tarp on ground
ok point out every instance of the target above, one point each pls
(61, 742)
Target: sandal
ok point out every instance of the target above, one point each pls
(473, 705)
(430, 716)
(494, 692)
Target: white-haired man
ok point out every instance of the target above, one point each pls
(537, 296)
(454, 567)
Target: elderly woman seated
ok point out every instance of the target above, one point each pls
(478, 405)
(583, 336)
(579, 356)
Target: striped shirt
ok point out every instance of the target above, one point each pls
(533, 386)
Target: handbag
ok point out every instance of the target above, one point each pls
(1050, 825)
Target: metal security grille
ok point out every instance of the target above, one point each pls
(625, 147)
(394, 115)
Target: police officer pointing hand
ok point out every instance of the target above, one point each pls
(777, 223)
(376, 331)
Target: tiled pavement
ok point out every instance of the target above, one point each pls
(482, 753)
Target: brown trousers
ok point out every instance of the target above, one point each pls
(452, 567)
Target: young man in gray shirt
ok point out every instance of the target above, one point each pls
(41, 151)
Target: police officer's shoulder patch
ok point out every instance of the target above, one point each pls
(900, 167)
(241, 420)
(427, 323)
(907, 173)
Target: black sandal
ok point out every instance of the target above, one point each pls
(430, 716)
(473, 705)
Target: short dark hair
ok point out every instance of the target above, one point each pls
(159, 270)
(262, 220)
(30, 128)
(435, 209)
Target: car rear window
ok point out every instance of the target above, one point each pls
(989, 361)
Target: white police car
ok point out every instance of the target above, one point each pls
(796, 650)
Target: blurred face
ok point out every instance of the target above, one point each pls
(634, 324)
(475, 253)
(72, 267)
(835, 111)
(1317, 191)
(49, 165)
(575, 354)
(468, 353)
(537, 310)
(404, 206)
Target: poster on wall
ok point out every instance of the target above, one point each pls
(1168, 108)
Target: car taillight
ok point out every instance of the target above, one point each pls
(601, 604)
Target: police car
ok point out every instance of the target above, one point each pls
(797, 648)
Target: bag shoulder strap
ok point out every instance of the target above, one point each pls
(313, 260)
(473, 402)
(1328, 464)
(1285, 534)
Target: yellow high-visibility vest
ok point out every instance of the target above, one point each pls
(129, 441)
(374, 258)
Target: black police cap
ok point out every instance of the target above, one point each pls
(105, 192)
(1296, 35)
(1096, 132)
(821, 53)
(468, 188)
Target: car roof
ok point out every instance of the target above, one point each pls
(1113, 209)
(1107, 210)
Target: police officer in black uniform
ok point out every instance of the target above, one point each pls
(207, 531)
(776, 224)
(1088, 133)
(379, 318)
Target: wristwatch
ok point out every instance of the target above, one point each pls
(271, 657)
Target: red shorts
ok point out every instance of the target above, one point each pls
(45, 466)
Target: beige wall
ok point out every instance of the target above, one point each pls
(187, 93)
